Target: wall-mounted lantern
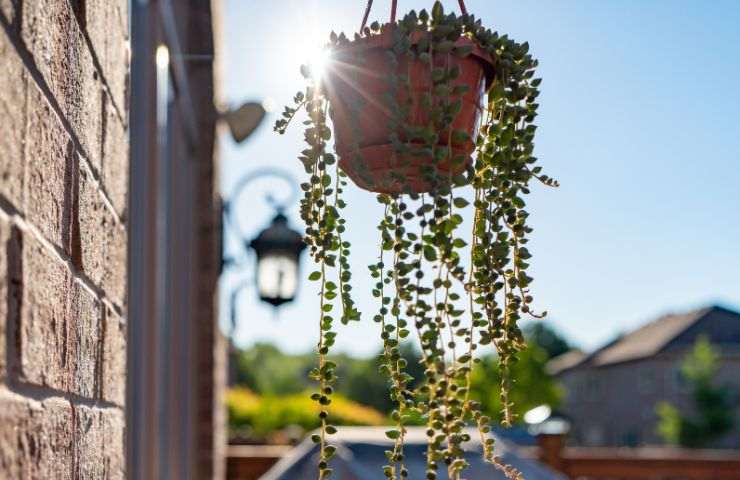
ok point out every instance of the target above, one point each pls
(278, 250)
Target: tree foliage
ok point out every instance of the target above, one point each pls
(271, 373)
(265, 370)
(532, 386)
(258, 416)
(712, 414)
(547, 338)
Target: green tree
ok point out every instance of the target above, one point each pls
(542, 334)
(264, 369)
(363, 382)
(713, 412)
(532, 385)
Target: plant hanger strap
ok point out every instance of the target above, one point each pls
(394, 5)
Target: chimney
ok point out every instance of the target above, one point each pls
(551, 450)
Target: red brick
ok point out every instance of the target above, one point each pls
(36, 438)
(114, 359)
(115, 161)
(60, 326)
(106, 24)
(51, 33)
(53, 439)
(51, 170)
(102, 241)
(99, 435)
(13, 80)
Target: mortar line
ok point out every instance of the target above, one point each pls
(99, 65)
(32, 70)
(81, 278)
(99, 187)
(39, 393)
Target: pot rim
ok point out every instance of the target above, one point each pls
(384, 40)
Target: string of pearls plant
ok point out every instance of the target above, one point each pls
(454, 291)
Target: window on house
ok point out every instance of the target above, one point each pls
(594, 435)
(631, 438)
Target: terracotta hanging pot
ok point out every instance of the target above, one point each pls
(357, 85)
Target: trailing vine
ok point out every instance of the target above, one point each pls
(454, 292)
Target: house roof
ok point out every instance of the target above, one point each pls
(644, 342)
(564, 361)
(360, 455)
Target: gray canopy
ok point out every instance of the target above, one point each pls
(360, 456)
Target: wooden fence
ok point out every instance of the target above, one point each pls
(249, 462)
(642, 463)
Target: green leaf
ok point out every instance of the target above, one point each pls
(460, 202)
(497, 91)
(460, 136)
(437, 11)
(430, 254)
(392, 434)
(444, 47)
(314, 276)
(463, 50)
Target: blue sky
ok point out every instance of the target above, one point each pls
(639, 120)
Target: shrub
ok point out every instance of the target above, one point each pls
(263, 415)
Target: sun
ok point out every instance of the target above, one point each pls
(318, 60)
(313, 52)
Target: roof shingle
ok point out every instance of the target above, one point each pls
(644, 342)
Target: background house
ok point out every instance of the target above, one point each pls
(611, 394)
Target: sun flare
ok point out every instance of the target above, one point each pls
(312, 51)
(318, 61)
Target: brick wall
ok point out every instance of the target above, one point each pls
(63, 237)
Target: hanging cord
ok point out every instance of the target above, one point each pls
(394, 5)
(463, 10)
(367, 14)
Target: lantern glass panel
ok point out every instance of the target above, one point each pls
(277, 276)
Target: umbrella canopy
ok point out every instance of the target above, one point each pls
(360, 456)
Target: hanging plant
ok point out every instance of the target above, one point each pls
(422, 110)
